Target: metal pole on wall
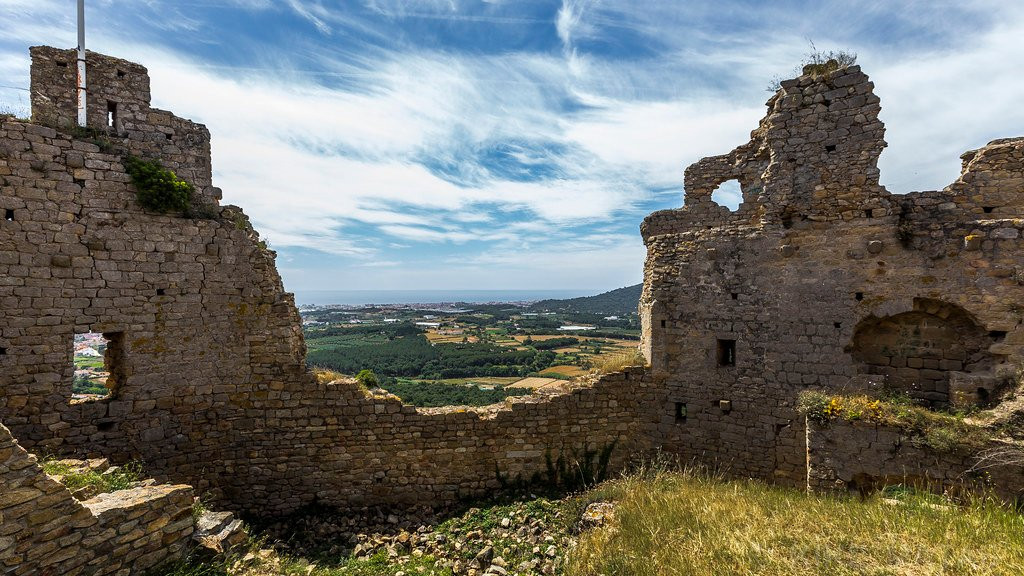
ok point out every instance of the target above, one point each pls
(82, 120)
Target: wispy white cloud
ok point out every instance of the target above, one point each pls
(519, 164)
(312, 11)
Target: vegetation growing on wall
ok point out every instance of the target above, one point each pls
(818, 63)
(940, 431)
(74, 478)
(158, 189)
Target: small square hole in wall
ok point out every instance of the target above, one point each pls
(120, 74)
(169, 135)
(837, 325)
(61, 64)
(859, 296)
(734, 296)
(867, 212)
(726, 352)
(662, 323)
(830, 148)
(9, 215)
(987, 209)
(160, 292)
(680, 412)
(3, 351)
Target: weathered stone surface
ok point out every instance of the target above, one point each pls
(863, 457)
(46, 531)
(220, 532)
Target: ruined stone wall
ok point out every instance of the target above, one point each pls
(863, 456)
(818, 261)
(45, 531)
(341, 447)
(210, 385)
(119, 114)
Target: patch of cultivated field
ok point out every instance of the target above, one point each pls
(534, 383)
(564, 371)
(435, 338)
(539, 337)
(481, 381)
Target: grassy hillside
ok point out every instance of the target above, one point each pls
(620, 302)
(670, 523)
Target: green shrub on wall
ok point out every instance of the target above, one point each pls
(159, 189)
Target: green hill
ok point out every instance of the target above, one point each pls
(620, 302)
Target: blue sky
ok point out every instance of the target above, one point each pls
(516, 144)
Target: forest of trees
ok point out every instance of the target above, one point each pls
(430, 394)
(413, 355)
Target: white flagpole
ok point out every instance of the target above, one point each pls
(82, 119)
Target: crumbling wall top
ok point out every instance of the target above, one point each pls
(814, 156)
(118, 111)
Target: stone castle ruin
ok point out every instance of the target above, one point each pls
(821, 279)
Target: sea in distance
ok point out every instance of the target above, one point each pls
(364, 297)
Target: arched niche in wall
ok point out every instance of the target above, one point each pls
(917, 351)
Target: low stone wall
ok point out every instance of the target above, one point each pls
(862, 456)
(339, 447)
(45, 531)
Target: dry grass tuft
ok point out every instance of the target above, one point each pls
(607, 364)
(326, 375)
(680, 523)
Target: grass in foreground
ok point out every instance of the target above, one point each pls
(679, 523)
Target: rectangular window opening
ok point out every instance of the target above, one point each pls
(98, 365)
(9, 215)
(3, 351)
(680, 412)
(111, 114)
(662, 323)
(726, 352)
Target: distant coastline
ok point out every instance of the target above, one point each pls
(365, 297)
